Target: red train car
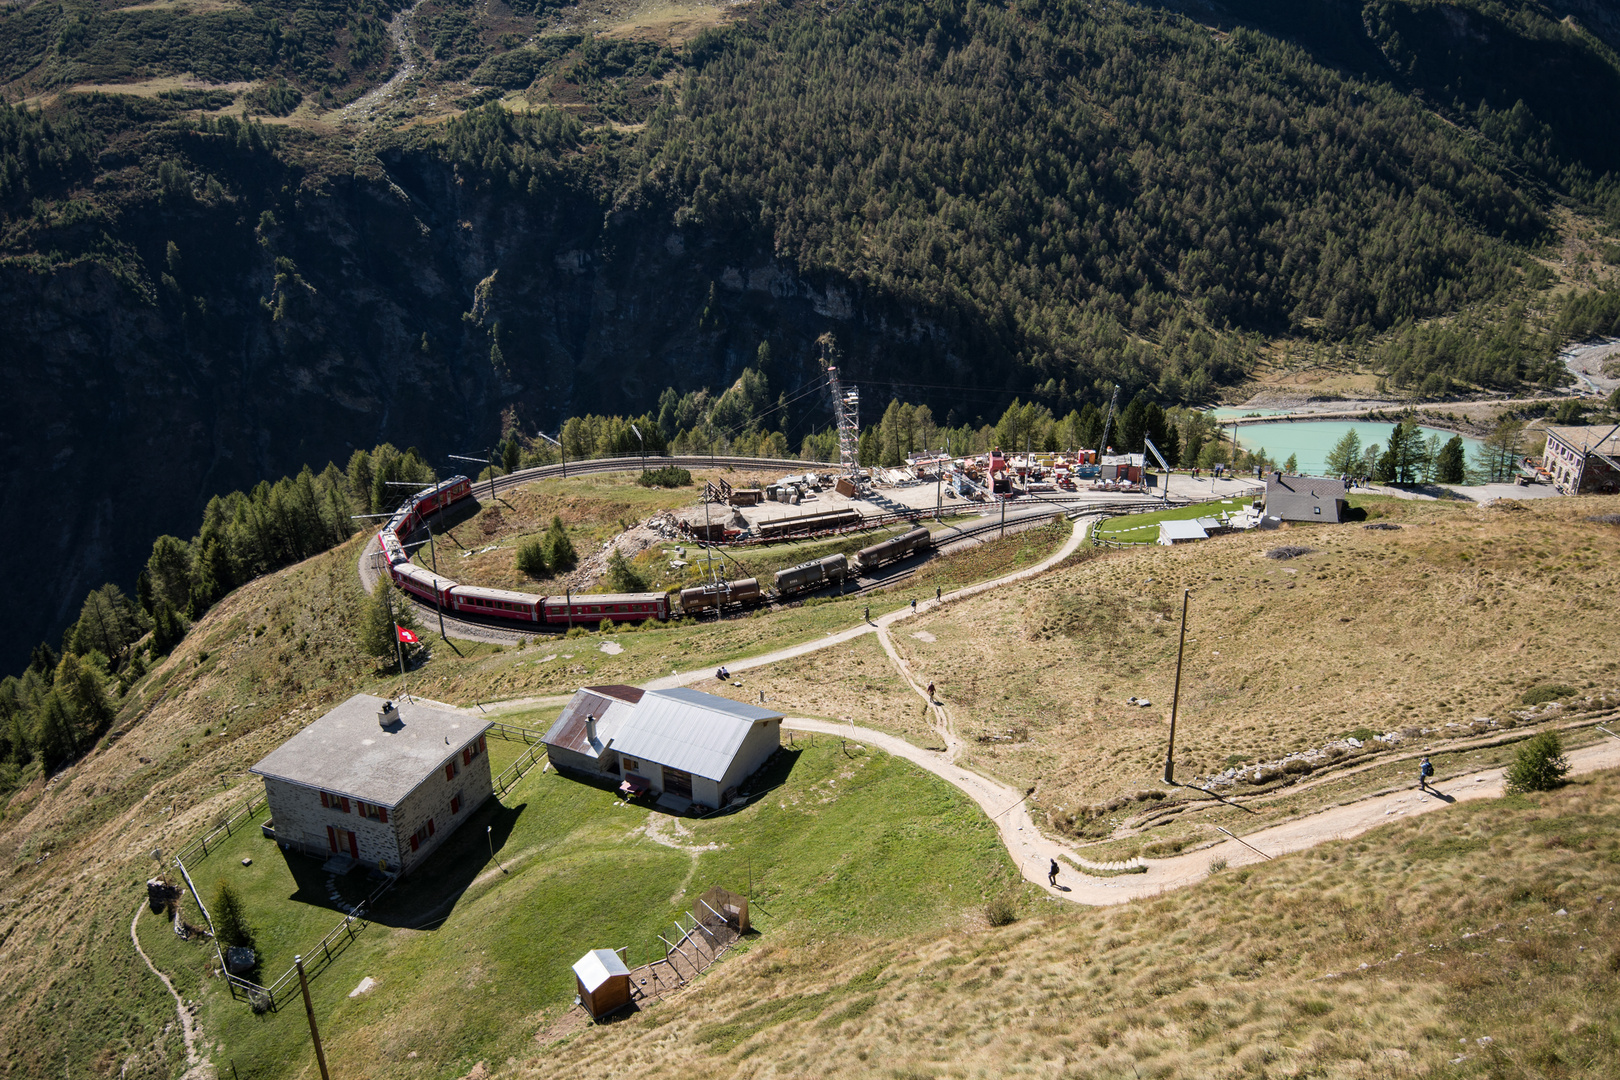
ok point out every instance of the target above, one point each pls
(423, 584)
(500, 603)
(592, 608)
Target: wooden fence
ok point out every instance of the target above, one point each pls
(234, 821)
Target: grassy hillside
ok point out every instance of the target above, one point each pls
(1477, 941)
(280, 650)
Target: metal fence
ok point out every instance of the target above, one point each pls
(232, 822)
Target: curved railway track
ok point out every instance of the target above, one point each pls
(1025, 512)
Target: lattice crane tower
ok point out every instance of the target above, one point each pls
(847, 414)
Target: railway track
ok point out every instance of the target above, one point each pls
(1027, 511)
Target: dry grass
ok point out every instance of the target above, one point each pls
(1450, 618)
(1474, 942)
(853, 681)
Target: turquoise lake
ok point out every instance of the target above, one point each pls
(1311, 440)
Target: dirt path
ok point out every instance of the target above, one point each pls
(197, 1067)
(881, 624)
(1033, 851)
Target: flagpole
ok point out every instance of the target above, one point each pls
(398, 651)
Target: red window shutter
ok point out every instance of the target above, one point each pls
(345, 804)
(430, 826)
(466, 755)
(382, 814)
(449, 770)
(354, 844)
(455, 805)
(481, 745)
(414, 842)
(324, 801)
(331, 837)
(360, 808)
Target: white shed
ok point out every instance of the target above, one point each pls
(603, 982)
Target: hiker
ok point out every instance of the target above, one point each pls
(930, 691)
(868, 614)
(1425, 771)
(938, 592)
(1051, 874)
(914, 605)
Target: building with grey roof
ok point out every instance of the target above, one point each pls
(580, 742)
(680, 742)
(1583, 458)
(1305, 498)
(380, 782)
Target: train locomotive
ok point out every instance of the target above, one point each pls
(568, 610)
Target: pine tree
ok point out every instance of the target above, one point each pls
(1449, 466)
(559, 549)
(1345, 457)
(379, 614)
(531, 557)
(622, 576)
(1291, 466)
(231, 928)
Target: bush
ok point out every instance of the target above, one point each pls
(531, 558)
(1539, 695)
(669, 476)
(1288, 551)
(605, 626)
(1540, 764)
(1001, 910)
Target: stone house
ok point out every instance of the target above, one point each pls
(1305, 498)
(378, 782)
(1583, 459)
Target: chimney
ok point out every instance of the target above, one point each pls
(387, 715)
(590, 730)
(1277, 476)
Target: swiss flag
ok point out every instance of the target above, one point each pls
(405, 635)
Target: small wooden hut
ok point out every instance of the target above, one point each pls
(603, 981)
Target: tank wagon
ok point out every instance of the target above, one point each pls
(704, 597)
(870, 558)
(811, 574)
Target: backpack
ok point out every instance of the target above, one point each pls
(1428, 769)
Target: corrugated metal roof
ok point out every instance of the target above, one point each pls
(1589, 438)
(348, 753)
(597, 967)
(1181, 530)
(609, 708)
(689, 730)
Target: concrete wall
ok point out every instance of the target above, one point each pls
(300, 818)
(762, 741)
(431, 799)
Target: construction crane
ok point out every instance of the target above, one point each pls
(1108, 423)
(847, 415)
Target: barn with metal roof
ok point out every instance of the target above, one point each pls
(681, 745)
(581, 740)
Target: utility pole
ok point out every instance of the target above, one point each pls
(309, 1008)
(643, 443)
(1175, 700)
(563, 450)
(489, 460)
(438, 602)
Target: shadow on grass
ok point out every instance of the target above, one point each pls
(426, 897)
(772, 775)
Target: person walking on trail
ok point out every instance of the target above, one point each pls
(930, 691)
(938, 592)
(1425, 771)
(1051, 874)
(914, 605)
(868, 615)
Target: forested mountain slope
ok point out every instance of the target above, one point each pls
(977, 200)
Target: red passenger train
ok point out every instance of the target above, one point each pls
(587, 609)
